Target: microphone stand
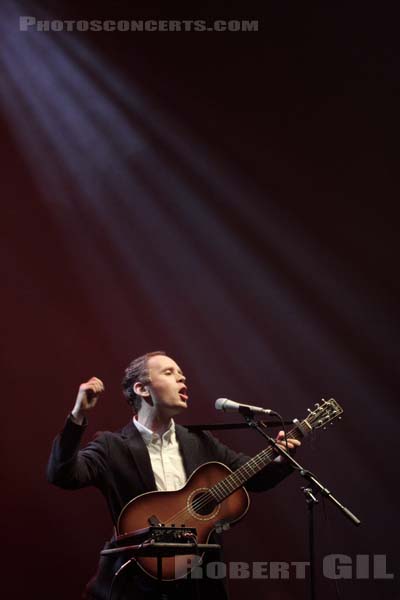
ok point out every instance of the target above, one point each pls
(310, 492)
(227, 426)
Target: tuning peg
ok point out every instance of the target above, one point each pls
(316, 404)
(309, 409)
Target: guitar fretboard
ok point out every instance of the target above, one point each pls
(238, 478)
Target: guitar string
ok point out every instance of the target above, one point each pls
(257, 461)
(207, 497)
(226, 486)
(227, 489)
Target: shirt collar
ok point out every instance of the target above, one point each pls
(150, 436)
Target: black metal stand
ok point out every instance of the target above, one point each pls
(311, 502)
(309, 492)
(158, 550)
(227, 426)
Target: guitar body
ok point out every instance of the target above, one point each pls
(187, 506)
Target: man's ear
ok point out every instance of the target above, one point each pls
(141, 389)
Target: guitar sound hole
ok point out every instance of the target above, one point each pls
(203, 504)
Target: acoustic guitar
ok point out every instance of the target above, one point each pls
(213, 495)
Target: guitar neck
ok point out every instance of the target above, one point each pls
(238, 478)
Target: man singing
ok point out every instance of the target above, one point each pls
(150, 453)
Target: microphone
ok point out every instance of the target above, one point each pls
(230, 406)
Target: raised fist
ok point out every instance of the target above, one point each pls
(87, 397)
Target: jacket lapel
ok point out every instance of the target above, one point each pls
(140, 456)
(189, 447)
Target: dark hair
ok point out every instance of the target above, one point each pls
(137, 370)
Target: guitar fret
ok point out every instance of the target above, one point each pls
(214, 493)
(238, 478)
(224, 488)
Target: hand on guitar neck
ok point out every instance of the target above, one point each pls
(291, 446)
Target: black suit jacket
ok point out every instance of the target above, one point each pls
(118, 464)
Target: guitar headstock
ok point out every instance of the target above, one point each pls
(324, 413)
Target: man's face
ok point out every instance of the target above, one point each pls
(167, 385)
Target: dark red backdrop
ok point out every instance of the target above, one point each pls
(274, 279)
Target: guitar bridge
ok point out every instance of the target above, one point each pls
(173, 535)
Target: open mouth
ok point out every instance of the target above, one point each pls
(183, 393)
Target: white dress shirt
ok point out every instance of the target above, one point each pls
(165, 457)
